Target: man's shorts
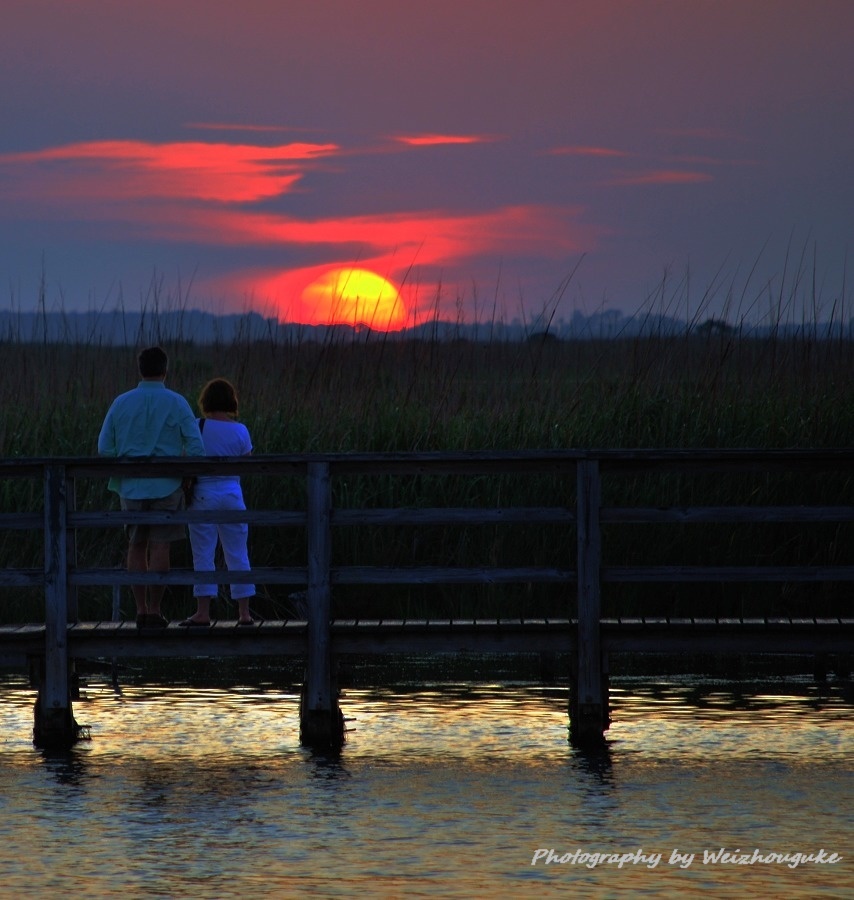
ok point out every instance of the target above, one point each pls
(142, 534)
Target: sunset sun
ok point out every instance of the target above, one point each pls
(352, 296)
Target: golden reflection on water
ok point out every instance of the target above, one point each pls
(441, 790)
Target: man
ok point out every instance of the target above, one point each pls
(150, 421)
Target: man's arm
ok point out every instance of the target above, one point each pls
(190, 434)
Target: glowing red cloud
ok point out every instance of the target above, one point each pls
(241, 173)
(429, 237)
(391, 246)
(116, 170)
(434, 140)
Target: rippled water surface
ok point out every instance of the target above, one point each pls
(441, 790)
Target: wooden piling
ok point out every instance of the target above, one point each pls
(588, 707)
(321, 722)
(54, 725)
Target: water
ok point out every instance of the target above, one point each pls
(442, 790)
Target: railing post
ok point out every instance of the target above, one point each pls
(73, 603)
(321, 723)
(71, 592)
(54, 725)
(588, 700)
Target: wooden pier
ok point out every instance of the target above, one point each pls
(48, 648)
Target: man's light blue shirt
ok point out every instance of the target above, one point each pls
(150, 420)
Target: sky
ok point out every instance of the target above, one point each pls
(390, 160)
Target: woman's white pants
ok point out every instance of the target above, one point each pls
(232, 536)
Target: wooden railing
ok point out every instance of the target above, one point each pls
(582, 566)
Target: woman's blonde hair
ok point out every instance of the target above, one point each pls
(218, 395)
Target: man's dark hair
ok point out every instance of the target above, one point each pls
(153, 362)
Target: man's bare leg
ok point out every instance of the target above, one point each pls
(138, 562)
(158, 561)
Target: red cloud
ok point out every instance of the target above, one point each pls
(121, 170)
(431, 236)
(388, 245)
(433, 140)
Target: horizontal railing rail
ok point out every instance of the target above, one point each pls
(607, 463)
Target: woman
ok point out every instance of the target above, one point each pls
(222, 436)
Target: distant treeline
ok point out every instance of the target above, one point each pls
(138, 328)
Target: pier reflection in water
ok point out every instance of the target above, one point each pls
(441, 790)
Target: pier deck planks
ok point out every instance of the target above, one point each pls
(288, 637)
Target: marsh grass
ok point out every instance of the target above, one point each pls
(702, 389)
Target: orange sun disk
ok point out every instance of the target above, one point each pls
(348, 296)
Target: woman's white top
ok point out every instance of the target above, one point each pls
(223, 438)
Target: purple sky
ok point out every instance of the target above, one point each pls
(238, 152)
